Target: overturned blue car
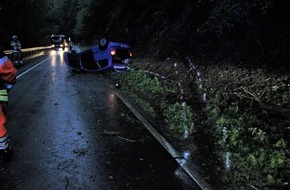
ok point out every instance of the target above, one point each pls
(106, 55)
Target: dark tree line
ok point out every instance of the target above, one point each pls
(239, 29)
(217, 28)
(26, 19)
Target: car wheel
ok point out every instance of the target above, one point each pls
(103, 43)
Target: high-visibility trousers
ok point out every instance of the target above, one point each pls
(4, 139)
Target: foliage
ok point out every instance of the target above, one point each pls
(144, 105)
(67, 17)
(154, 95)
(254, 150)
(139, 82)
(257, 156)
(286, 97)
(143, 89)
(240, 27)
(79, 25)
(179, 118)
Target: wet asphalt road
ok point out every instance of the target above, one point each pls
(70, 131)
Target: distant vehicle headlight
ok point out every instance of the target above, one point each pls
(61, 45)
(53, 45)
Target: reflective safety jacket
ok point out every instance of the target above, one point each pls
(16, 45)
(7, 76)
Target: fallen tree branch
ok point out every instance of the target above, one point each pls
(253, 187)
(272, 109)
(129, 140)
(117, 134)
(113, 133)
(251, 94)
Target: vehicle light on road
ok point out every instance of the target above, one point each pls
(113, 52)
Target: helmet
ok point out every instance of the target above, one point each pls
(14, 37)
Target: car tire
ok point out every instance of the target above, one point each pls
(103, 43)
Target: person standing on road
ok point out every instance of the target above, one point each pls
(7, 79)
(17, 57)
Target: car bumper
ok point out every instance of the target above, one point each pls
(121, 68)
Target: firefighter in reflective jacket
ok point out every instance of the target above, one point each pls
(7, 79)
(16, 53)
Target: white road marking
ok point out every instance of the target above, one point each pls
(25, 72)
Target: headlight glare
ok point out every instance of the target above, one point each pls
(113, 52)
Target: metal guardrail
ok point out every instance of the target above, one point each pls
(29, 50)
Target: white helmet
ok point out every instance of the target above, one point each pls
(14, 37)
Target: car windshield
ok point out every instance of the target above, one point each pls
(56, 38)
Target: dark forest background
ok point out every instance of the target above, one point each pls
(234, 29)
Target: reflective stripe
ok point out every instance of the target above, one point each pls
(3, 96)
(4, 142)
(3, 60)
(3, 93)
(4, 99)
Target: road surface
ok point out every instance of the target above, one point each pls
(71, 131)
